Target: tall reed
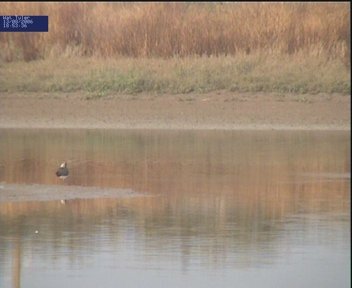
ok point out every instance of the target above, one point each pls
(180, 29)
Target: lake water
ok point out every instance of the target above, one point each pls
(175, 209)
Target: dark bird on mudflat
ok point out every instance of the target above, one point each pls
(62, 172)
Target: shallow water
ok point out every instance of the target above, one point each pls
(175, 208)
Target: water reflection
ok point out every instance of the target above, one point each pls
(223, 204)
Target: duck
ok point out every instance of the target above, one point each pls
(62, 172)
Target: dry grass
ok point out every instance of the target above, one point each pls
(180, 29)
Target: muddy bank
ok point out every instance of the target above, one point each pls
(221, 110)
(39, 192)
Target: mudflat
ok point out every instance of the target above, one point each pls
(218, 110)
(40, 192)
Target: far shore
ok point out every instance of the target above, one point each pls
(217, 110)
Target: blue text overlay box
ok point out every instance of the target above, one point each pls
(24, 23)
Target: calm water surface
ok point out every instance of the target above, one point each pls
(207, 209)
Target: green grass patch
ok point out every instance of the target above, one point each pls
(98, 77)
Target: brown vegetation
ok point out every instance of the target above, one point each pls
(180, 29)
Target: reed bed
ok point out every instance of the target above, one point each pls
(180, 29)
(106, 48)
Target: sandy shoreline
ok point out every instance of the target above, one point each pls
(221, 110)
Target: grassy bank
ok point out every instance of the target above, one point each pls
(107, 48)
(98, 77)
